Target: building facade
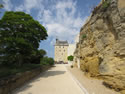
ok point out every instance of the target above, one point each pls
(61, 51)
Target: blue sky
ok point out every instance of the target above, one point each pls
(62, 18)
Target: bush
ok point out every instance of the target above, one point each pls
(13, 69)
(46, 61)
(84, 36)
(35, 59)
(70, 58)
(106, 4)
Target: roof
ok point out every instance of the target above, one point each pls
(61, 43)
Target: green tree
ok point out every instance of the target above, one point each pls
(70, 58)
(37, 56)
(1, 6)
(20, 36)
(47, 61)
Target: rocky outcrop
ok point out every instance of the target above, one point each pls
(101, 48)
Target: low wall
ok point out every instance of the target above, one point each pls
(12, 82)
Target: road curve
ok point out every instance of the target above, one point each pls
(57, 80)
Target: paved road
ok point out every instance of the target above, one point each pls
(54, 81)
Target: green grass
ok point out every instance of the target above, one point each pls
(11, 70)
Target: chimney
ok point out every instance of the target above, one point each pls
(56, 40)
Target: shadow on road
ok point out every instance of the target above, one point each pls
(52, 73)
(35, 79)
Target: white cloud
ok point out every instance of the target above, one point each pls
(28, 5)
(19, 8)
(62, 20)
(47, 15)
(7, 5)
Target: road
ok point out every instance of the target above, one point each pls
(57, 80)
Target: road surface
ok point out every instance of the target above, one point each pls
(57, 80)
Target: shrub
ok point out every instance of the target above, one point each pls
(84, 36)
(46, 61)
(35, 59)
(106, 4)
(13, 69)
(70, 58)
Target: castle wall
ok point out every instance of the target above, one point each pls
(61, 53)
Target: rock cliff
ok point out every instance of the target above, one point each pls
(101, 47)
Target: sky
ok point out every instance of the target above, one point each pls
(63, 19)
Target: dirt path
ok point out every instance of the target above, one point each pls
(93, 86)
(57, 80)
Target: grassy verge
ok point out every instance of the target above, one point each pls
(11, 70)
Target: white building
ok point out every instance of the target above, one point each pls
(63, 50)
(72, 47)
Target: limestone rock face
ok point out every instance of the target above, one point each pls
(102, 51)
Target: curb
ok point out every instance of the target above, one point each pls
(77, 82)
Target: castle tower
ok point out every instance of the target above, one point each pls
(61, 51)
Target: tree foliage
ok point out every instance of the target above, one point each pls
(47, 61)
(70, 58)
(20, 36)
(37, 56)
(1, 6)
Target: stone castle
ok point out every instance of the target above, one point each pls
(63, 49)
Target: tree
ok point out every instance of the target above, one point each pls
(42, 53)
(20, 36)
(37, 56)
(70, 58)
(1, 6)
(47, 61)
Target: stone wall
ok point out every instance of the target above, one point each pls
(61, 53)
(102, 51)
(12, 82)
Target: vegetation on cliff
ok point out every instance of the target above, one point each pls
(70, 58)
